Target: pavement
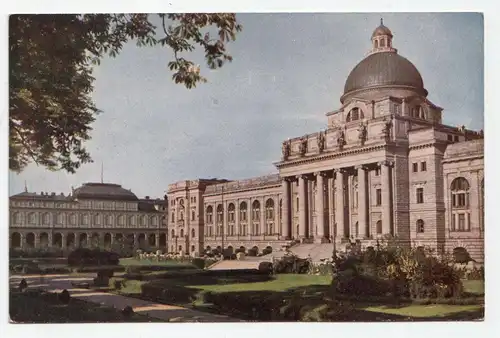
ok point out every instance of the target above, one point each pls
(164, 312)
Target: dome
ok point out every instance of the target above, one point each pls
(384, 69)
(104, 191)
(381, 30)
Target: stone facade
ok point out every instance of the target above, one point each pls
(385, 167)
(96, 214)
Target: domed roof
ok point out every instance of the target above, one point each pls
(384, 69)
(104, 191)
(381, 30)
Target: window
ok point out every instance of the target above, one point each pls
(120, 220)
(420, 195)
(450, 138)
(173, 220)
(220, 216)
(420, 226)
(460, 193)
(379, 227)
(415, 167)
(243, 211)
(210, 211)
(182, 232)
(269, 209)
(192, 248)
(377, 171)
(193, 215)
(297, 202)
(193, 233)
(423, 166)
(379, 196)
(354, 115)
(255, 210)
(456, 139)
(231, 212)
(382, 42)
(461, 222)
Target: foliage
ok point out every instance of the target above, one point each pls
(291, 263)
(198, 262)
(399, 272)
(35, 253)
(88, 257)
(51, 60)
(64, 296)
(475, 273)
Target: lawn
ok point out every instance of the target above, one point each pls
(37, 307)
(145, 262)
(278, 284)
(425, 311)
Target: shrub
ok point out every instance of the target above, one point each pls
(198, 262)
(291, 264)
(87, 257)
(23, 285)
(64, 296)
(476, 274)
(128, 311)
(116, 283)
(265, 267)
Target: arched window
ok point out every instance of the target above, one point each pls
(182, 232)
(31, 218)
(131, 221)
(376, 43)
(379, 227)
(72, 219)
(85, 219)
(46, 218)
(460, 193)
(243, 211)
(382, 42)
(270, 209)
(420, 226)
(231, 211)
(97, 219)
(17, 218)
(173, 233)
(220, 215)
(193, 215)
(255, 211)
(354, 115)
(210, 212)
(193, 233)
(120, 220)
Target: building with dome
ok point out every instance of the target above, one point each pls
(94, 215)
(385, 166)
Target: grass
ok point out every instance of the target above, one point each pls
(139, 262)
(424, 311)
(37, 307)
(278, 284)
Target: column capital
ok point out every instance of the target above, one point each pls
(303, 176)
(387, 163)
(339, 170)
(320, 173)
(361, 166)
(289, 179)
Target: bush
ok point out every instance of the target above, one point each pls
(128, 311)
(64, 296)
(476, 274)
(198, 262)
(265, 267)
(291, 264)
(116, 283)
(87, 257)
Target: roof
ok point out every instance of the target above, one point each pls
(104, 191)
(381, 30)
(466, 148)
(384, 69)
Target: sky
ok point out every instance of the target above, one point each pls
(288, 71)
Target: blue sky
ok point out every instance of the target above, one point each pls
(288, 71)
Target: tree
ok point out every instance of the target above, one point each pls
(51, 58)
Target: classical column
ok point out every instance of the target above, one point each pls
(22, 239)
(386, 197)
(320, 205)
(339, 198)
(237, 218)
(362, 201)
(157, 240)
(287, 224)
(37, 239)
(302, 206)
(262, 226)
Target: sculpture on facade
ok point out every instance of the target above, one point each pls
(303, 146)
(321, 141)
(362, 133)
(386, 132)
(285, 148)
(341, 140)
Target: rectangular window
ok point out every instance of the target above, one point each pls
(461, 222)
(456, 138)
(377, 171)
(379, 196)
(423, 166)
(420, 195)
(415, 167)
(450, 138)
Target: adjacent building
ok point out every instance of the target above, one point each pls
(95, 214)
(385, 166)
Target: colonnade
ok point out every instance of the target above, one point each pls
(335, 182)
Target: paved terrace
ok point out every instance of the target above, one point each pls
(164, 312)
